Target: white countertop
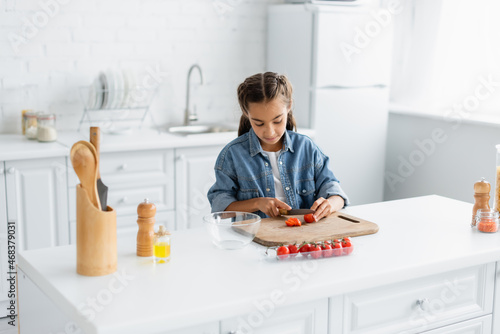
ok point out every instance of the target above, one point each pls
(17, 147)
(418, 237)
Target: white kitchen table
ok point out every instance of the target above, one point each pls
(418, 238)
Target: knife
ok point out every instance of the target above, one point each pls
(102, 189)
(296, 211)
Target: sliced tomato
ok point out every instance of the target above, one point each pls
(293, 221)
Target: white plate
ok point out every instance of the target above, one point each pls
(119, 88)
(126, 89)
(129, 101)
(98, 94)
(104, 84)
(91, 101)
(111, 89)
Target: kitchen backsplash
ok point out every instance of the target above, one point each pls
(50, 48)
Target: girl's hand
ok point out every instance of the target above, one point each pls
(270, 206)
(325, 207)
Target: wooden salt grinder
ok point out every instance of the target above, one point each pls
(481, 197)
(146, 234)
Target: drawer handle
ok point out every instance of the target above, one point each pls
(11, 170)
(123, 167)
(123, 200)
(423, 304)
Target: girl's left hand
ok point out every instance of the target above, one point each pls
(325, 207)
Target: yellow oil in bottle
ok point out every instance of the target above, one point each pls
(162, 252)
(161, 245)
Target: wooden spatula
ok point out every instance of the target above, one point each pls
(83, 158)
(102, 190)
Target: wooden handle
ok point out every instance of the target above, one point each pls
(95, 139)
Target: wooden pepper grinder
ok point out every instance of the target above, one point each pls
(481, 197)
(146, 234)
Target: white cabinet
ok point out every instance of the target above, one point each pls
(211, 328)
(194, 175)
(4, 266)
(480, 325)
(37, 200)
(417, 305)
(306, 318)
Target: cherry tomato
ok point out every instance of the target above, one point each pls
(293, 221)
(347, 246)
(309, 218)
(337, 249)
(327, 250)
(315, 251)
(294, 250)
(282, 252)
(304, 249)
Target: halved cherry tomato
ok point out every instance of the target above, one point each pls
(309, 218)
(293, 221)
(347, 246)
(282, 252)
(337, 249)
(294, 250)
(315, 251)
(327, 250)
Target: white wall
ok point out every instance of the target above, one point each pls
(67, 42)
(448, 164)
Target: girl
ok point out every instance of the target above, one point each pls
(269, 166)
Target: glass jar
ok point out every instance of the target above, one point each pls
(30, 125)
(161, 249)
(487, 220)
(46, 130)
(23, 119)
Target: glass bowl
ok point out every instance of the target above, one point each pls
(232, 229)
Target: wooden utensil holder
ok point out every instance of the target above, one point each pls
(96, 252)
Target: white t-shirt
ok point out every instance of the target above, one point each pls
(278, 186)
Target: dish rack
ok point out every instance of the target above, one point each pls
(115, 111)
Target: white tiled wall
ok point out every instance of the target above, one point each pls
(50, 48)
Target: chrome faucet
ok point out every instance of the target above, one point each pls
(188, 115)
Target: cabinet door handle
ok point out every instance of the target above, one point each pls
(123, 167)
(123, 200)
(182, 158)
(2, 170)
(423, 304)
(11, 170)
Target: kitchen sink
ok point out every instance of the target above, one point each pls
(185, 130)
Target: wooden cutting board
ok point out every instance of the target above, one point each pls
(274, 231)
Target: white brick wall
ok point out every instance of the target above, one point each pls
(64, 44)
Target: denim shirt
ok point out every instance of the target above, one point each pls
(243, 171)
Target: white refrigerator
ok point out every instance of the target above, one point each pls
(338, 59)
